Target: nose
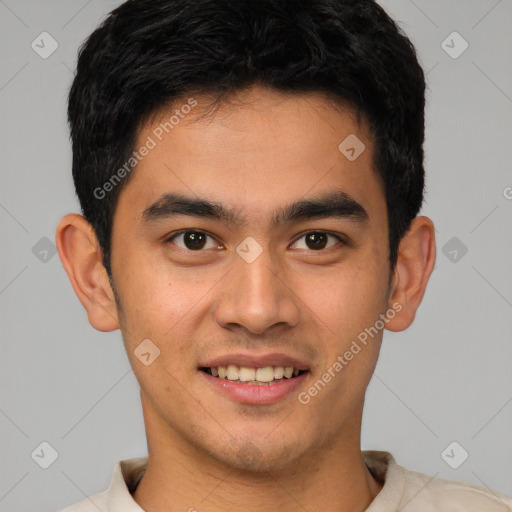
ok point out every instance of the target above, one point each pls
(256, 296)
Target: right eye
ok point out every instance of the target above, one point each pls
(193, 240)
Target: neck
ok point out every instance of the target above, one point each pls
(181, 476)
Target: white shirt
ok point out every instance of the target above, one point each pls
(403, 490)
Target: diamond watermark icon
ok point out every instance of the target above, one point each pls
(146, 352)
(249, 453)
(454, 45)
(44, 250)
(454, 249)
(351, 147)
(249, 249)
(44, 45)
(44, 455)
(454, 455)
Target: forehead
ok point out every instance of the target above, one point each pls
(256, 149)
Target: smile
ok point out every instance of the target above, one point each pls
(266, 375)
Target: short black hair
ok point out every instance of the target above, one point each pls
(148, 53)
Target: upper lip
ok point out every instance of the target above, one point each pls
(255, 361)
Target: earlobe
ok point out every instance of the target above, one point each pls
(416, 259)
(80, 254)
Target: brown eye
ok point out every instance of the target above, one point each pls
(192, 240)
(317, 240)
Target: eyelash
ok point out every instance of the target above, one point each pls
(181, 232)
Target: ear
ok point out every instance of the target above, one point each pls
(415, 262)
(81, 255)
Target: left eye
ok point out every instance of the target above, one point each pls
(317, 240)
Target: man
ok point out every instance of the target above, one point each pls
(250, 175)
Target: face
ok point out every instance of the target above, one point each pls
(250, 280)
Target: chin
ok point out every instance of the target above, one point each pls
(246, 456)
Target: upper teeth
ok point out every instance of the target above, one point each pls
(247, 374)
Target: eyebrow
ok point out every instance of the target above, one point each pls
(336, 204)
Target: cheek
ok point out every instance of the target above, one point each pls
(149, 296)
(348, 298)
(165, 306)
(351, 304)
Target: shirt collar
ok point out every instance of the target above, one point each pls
(125, 477)
(384, 468)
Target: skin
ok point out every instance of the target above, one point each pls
(260, 151)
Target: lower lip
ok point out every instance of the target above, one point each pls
(254, 393)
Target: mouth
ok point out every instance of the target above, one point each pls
(262, 376)
(255, 378)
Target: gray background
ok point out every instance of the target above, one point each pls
(447, 378)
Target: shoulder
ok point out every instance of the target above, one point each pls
(426, 493)
(125, 476)
(410, 491)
